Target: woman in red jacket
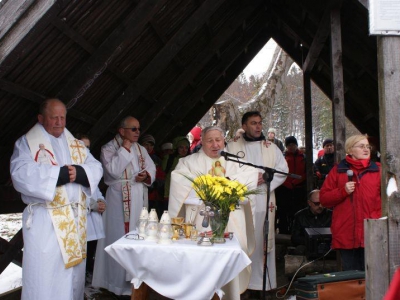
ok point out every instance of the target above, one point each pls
(353, 198)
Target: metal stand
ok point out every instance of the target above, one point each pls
(268, 177)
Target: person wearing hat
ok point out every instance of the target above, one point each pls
(291, 195)
(166, 149)
(156, 190)
(324, 163)
(273, 139)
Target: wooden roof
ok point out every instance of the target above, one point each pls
(164, 62)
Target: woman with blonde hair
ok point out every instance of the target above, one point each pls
(353, 189)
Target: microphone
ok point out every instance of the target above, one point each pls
(226, 154)
(350, 175)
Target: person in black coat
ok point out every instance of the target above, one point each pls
(313, 216)
(324, 163)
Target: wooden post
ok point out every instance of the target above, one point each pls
(339, 129)
(142, 293)
(309, 135)
(376, 258)
(389, 108)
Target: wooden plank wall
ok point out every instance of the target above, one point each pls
(389, 108)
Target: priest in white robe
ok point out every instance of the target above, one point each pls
(261, 153)
(54, 222)
(184, 202)
(128, 170)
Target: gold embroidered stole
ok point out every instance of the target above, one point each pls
(71, 238)
(126, 182)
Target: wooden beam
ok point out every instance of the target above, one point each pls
(37, 98)
(73, 35)
(364, 3)
(30, 20)
(128, 30)
(339, 118)
(4, 246)
(389, 107)
(232, 59)
(241, 60)
(155, 67)
(21, 91)
(318, 42)
(81, 41)
(188, 75)
(376, 258)
(15, 248)
(11, 13)
(308, 130)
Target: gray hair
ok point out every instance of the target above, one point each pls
(209, 128)
(122, 123)
(312, 193)
(45, 104)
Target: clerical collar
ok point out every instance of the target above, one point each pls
(248, 139)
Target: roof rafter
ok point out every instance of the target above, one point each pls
(155, 66)
(127, 31)
(208, 52)
(228, 58)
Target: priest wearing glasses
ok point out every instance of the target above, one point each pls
(128, 169)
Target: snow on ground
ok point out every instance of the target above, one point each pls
(11, 277)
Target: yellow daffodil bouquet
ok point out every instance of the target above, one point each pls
(220, 192)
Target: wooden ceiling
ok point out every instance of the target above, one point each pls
(164, 62)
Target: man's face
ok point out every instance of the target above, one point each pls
(253, 127)
(149, 146)
(271, 135)
(168, 151)
(131, 131)
(213, 142)
(54, 118)
(292, 147)
(315, 206)
(329, 148)
(182, 150)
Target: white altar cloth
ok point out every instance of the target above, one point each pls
(181, 270)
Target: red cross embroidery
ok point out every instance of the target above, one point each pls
(271, 206)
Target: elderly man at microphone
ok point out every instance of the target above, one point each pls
(184, 202)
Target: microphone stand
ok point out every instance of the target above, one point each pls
(268, 176)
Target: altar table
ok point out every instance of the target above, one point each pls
(181, 270)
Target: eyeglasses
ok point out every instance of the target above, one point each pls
(134, 129)
(316, 203)
(134, 236)
(368, 147)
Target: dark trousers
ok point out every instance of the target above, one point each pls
(353, 259)
(91, 252)
(288, 202)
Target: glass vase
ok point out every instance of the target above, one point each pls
(218, 225)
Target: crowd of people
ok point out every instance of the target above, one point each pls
(66, 213)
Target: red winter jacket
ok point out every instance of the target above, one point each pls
(349, 212)
(297, 165)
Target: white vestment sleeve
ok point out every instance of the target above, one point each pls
(149, 165)
(179, 189)
(30, 178)
(280, 165)
(94, 172)
(115, 161)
